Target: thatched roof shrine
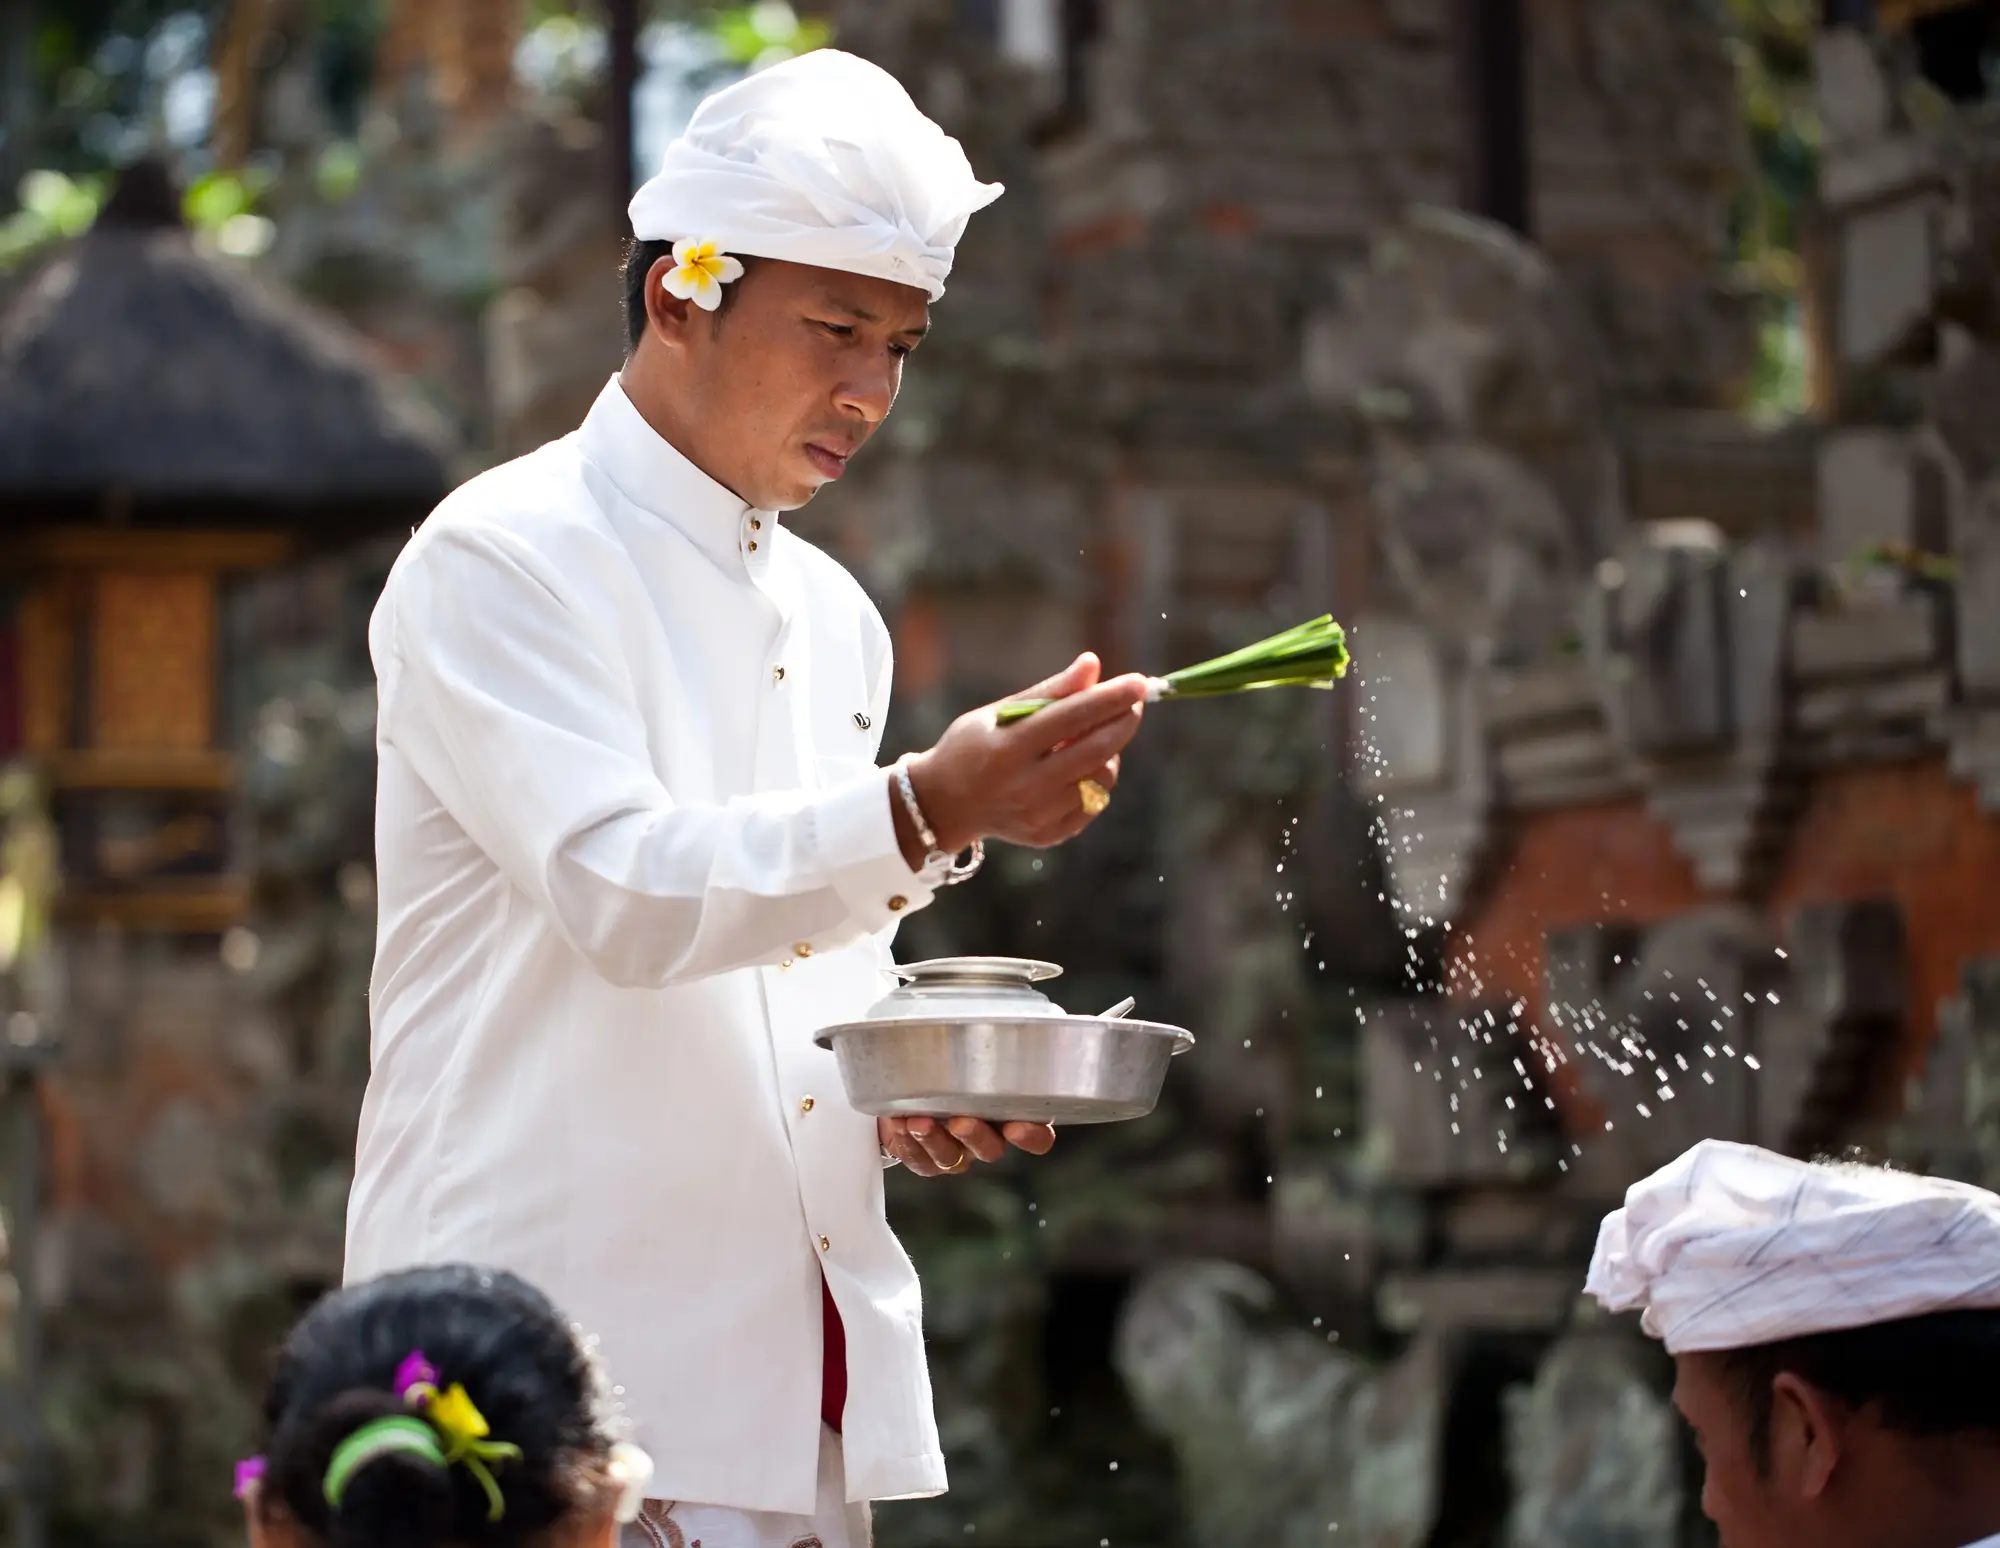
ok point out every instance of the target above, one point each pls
(145, 381)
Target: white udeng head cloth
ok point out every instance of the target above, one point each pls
(1731, 1246)
(823, 160)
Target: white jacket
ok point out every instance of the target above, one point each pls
(633, 850)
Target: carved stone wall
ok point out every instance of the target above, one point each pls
(1201, 373)
(1680, 728)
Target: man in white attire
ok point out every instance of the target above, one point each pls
(634, 848)
(1836, 1338)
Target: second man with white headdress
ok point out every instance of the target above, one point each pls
(1835, 1330)
(634, 847)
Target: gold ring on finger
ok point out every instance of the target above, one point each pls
(1095, 796)
(964, 1157)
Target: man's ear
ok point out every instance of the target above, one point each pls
(1808, 1435)
(668, 318)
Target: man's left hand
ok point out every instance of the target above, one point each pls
(939, 1147)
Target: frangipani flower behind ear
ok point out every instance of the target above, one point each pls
(700, 271)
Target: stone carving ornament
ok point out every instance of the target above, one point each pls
(1593, 1450)
(1283, 1439)
(1479, 545)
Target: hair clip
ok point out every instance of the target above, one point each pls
(380, 1438)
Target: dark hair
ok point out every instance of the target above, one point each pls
(520, 1362)
(1925, 1376)
(639, 260)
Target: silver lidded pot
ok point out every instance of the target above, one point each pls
(974, 1037)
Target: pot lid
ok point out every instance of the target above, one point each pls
(977, 970)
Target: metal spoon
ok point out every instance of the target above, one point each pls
(1122, 1008)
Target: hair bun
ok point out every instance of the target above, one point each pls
(521, 1400)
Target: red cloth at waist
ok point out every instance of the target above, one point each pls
(833, 1367)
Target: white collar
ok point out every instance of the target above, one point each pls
(655, 476)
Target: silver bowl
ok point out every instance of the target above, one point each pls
(972, 1037)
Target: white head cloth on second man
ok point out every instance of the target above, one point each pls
(822, 160)
(1731, 1246)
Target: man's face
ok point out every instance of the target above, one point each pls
(1776, 1501)
(775, 393)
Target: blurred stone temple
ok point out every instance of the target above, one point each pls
(1664, 800)
(1661, 803)
(176, 439)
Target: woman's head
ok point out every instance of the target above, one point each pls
(345, 1466)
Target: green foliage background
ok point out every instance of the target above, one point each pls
(1772, 47)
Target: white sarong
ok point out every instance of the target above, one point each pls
(834, 1523)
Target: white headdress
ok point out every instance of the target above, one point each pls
(1732, 1246)
(822, 160)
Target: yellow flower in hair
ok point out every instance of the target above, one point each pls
(700, 271)
(454, 1412)
(457, 1418)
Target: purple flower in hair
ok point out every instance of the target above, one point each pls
(249, 1471)
(415, 1371)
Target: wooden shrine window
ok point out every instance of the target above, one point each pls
(116, 640)
(45, 630)
(153, 663)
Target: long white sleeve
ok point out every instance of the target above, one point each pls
(518, 714)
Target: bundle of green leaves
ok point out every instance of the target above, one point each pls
(1311, 655)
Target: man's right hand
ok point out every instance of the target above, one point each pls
(1018, 783)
